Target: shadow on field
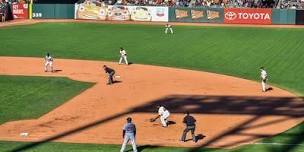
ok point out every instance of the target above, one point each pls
(143, 147)
(256, 107)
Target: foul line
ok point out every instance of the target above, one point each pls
(281, 144)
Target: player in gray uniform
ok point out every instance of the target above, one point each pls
(48, 62)
(123, 56)
(128, 134)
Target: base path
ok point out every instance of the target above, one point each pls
(229, 111)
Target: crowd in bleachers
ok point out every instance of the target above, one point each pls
(3, 5)
(291, 4)
(284, 4)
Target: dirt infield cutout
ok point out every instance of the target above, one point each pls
(230, 111)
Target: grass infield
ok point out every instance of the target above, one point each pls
(228, 50)
(30, 97)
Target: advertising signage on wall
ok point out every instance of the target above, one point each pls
(20, 11)
(247, 16)
(206, 15)
(90, 10)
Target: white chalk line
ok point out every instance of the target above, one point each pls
(274, 143)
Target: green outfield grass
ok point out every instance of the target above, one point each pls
(228, 50)
(30, 97)
(66, 147)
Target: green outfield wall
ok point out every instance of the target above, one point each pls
(283, 16)
(196, 14)
(300, 17)
(53, 11)
(176, 14)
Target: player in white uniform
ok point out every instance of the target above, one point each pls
(129, 133)
(48, 62)
(168, 27)
(264, 79)
(123, 56)
(163, 115)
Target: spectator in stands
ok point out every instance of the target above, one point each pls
(2, 10)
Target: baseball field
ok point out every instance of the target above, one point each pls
(211, 71)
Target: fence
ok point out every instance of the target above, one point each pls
(92, 11)
(197, 14)
(53, 11)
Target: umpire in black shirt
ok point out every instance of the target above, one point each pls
(190, 126)
(110, 73)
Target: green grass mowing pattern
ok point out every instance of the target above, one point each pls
(289, 141)
(70, 147)
(228, 50)
(31, 97)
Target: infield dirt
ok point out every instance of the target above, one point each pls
(229, 111)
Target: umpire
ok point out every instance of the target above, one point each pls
(190, 126)
(110, 73)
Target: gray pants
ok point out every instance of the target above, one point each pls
(188, 128)
(110, 77)
(128, 137)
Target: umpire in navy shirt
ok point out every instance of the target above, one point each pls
(189, 121)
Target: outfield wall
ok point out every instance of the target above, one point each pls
(196, 15)
(91, 11)
(53, 11)
(121, 13)
(283, 16)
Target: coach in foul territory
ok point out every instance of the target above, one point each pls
(128, 134)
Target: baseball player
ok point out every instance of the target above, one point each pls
(168, 27)
(123, 56)
(48, 62)
(264, 79)
(163, 114)
(110, 72)
(189, 121)
(128, 134)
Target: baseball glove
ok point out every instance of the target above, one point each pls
(152, 120)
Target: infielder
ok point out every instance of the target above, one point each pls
(168, 27)
(163, 114)
(264, 79)
(110, 72)
(128, 134)
(48, 62)
(123, 56)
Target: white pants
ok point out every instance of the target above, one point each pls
(169, 28)
(128, 136)
(264, 86)
(124, 57)
(48, 64)
(164, 118)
